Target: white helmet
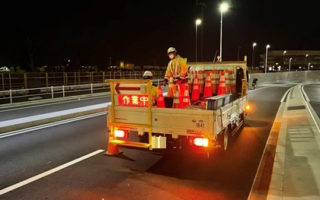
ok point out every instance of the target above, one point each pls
(172, 50)
(147, 74)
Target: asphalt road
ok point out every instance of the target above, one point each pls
(137, 174)
(313, 93)
(14, 113)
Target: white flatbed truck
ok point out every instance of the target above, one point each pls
(192, 128)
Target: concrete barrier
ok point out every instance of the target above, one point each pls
(286, 77)
(30, 121)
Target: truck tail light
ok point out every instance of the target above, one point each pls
(201, 142)
(119, 133)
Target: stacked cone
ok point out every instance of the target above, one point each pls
(207, 89)
(215, 81)
(190, 80)
(186, 97)
(160, 100)
(195, 89)
(222, 84)
(228, 84)
(200, 73)
(176, 98)
(171, 88)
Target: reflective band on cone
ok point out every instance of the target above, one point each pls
(208, 88)
(227, 79)
(186, 97)
(195, 89)
(176, 98)
(222, 84)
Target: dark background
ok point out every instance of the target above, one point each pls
(139, 32)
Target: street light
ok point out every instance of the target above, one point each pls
(253, 45)
(223, 8)
(266, 61)
(290, 60)
(198, 23)
(283, 55)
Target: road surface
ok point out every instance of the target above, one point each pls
(137, 174)
(313, 93)
(14, 113)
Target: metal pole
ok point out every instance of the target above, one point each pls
(309, 66)
(10, 84)
(52, 92)
(75, 78)
(221, 37)
(10, 93)
(91, 87)
(25, 80)
(63, 94)
(266, 61)
(290, 59)
(196, 43)
(252, 58)
(2, 78)
(47, 81)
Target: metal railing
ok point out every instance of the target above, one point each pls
(21, 95)
(35, 80)
(51, 92)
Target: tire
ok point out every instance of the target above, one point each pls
(226, 139)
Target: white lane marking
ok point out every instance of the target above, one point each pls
(47, 173)
(12, 133)
(52, 114)
(277, 118)
(48, 104)
(256, 90)
(305, 94)
(285, 94)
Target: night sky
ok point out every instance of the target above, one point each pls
(140, 31)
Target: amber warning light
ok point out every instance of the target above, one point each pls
(248, 107)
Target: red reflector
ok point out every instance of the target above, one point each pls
(119, 133)
(201, 142)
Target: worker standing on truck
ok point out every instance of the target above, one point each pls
(148, 75)
(176, 71)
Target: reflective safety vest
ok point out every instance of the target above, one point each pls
(177, 68)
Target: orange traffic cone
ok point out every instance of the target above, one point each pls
(112, 149)
(176, 98)
(208, 89)
(195, 89)
(201, 81)
(227, 78)
(170, 88)
(222, 84)
(190, 79)
(186, 97)
(160, 100)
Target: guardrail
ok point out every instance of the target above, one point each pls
(20, 95)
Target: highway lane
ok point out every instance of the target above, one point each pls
(313, 93)
(137, 174)
(14, 113)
